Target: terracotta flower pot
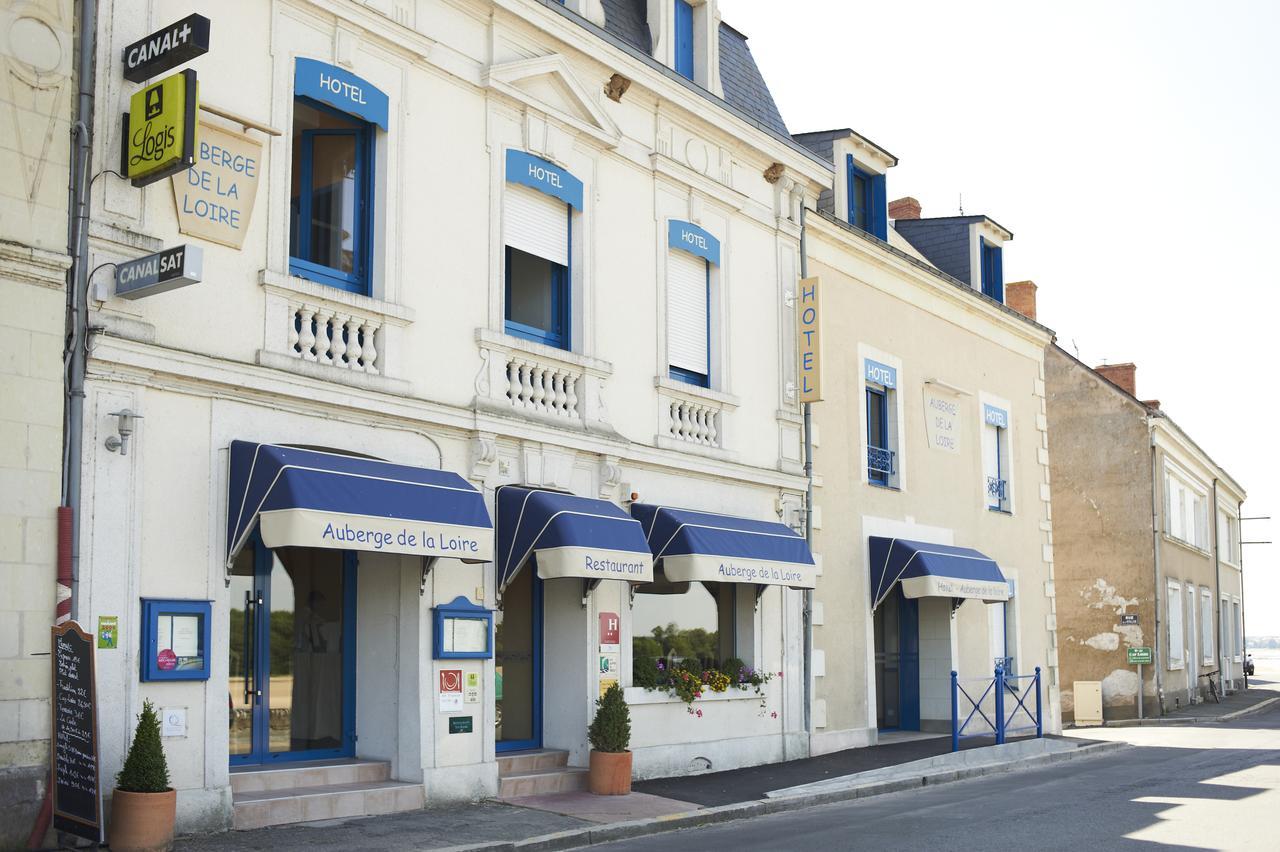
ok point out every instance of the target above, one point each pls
(142, 822)
(610, 773)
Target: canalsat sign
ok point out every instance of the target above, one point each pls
(160, 272)
(167, 48)
(160, 129)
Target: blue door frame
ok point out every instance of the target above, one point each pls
(502, 746)
(261, 718)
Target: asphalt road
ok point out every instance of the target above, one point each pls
(1202, 787)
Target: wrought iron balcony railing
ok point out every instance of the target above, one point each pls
(880, 460)
(996, 488)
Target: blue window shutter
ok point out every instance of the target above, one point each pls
(997, 285)
(878, 216)
(684, 39)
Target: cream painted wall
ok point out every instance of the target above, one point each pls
(875, 303)
(36, 99)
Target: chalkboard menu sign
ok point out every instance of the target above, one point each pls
(77, 799)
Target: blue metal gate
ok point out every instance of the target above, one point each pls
(1000, 709)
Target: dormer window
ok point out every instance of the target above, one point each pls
(684, 38)
(865, 194)
(992, 270)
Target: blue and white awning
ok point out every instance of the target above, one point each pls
(567, 536)
(706, 547)
(311, 498)
(933, 570)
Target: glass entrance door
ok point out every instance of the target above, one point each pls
(291, 690)
(518, 664)
(897, 659)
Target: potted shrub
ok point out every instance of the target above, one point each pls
(144, 805)
(610, 734)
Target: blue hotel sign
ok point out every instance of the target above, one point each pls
(687, 236)
(993, 416)
(881, 374)
(342, 90)
(537, 173)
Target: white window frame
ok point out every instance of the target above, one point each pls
(1185, 508)
(1224, 627)
(1206, 626)
(1237, 631)
(1003, 435)
(1175, 643)
(1228, 538)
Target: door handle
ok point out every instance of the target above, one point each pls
(246, 650)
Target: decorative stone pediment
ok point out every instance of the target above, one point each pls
(548, 86)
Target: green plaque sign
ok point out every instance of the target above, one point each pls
(1139, 656)
(459, 724)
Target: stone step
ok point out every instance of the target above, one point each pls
(542, 781)
(262, 808)
(310, 773)
(531, 761)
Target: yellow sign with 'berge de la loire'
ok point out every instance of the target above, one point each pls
(160, 129)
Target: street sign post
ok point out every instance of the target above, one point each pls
(1139, 657)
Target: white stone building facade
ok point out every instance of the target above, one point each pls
(398, 306)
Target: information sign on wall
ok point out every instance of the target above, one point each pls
(942, 419)
(160, 129)
(160, 272)
(809, 338)
(215, 197)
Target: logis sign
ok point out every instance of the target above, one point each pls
(167, 48)
(160, 129)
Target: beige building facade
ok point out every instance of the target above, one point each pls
(36, 100)
(1147, 545)
(956, 461)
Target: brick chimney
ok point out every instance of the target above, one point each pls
(904, 208)
(1123, 376)
(1021, 296)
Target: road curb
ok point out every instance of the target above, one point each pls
(1162, 721)
(612, 832)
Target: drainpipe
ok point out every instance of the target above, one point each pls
(77, 299)
(1217, 581)
(1159, 662)
(808, 515)
(1244, 643)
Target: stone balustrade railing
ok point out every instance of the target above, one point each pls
(330, 333)
(540, 381)
(692, 417)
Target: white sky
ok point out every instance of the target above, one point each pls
(1132, 149)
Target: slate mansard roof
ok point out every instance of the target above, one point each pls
(740, 77)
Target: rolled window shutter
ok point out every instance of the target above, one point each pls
(536, 223)
(687, 312)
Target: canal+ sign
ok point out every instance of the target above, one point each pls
(166, 49)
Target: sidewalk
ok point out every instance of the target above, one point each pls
(1260, 695)
(574, 820)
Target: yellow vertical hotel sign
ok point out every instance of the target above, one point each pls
(160, 129)
(809, 338)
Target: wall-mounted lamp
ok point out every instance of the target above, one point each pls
(125, 426)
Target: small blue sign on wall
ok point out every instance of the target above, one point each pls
(881, 374)
(536, 173)
(463, 631)
(342, 90)
(687, 236)
(993, 416)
